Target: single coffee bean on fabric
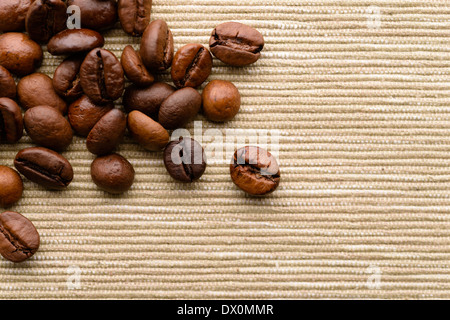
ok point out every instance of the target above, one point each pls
(8, 87)
(19, 239)
(236, 44)
(147, 100)
(157, 46)
(19, 54)
(11, 121)
(147, 132)
(185, 159)
(37, 90)
(179, 108)
(96, 14)
(255, 171)
(72, 41)
(134, 68)
(83, 114)
(45, 18)
(134, 15)
(11, 187)
(66, 79)
(13, 14)
(44, 167)
(221, 101)
(47, 127)
(191, 66)
(102, 77)
(112, 173)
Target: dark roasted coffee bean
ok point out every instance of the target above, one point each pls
(44, 167)
(255, 171)
(83, 114)
(11, 187)
(66, 79)
(102, 76)
(37, 90)
(191, 66)
(47, 127)
(7, 84)
(221, 100)
(185, 159)
(112, 173)
(11, 122)
(19, 54)
(96, 14)
(134, 15)
(134, 68)
(13, 14)
(147, 100)
(45, 18)
(107, 133)
(157, 46)
(236, 44)
(74, 41)
(179, 108)
(19, 239)
(146, 131)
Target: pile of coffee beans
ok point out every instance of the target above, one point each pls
(80, 100)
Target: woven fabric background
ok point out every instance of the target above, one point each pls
(358, 92)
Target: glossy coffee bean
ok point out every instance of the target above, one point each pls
(83, 114)
(107, 133)
(221, 100)
(45, 18)
(179, 108)
(236, 44)
(147, 132)
(44, 167)
(72, 41)
(37, 90)
(191, 66)
(13, 14)
(255, 171)
(66, 79)
(19, 54)
(11, 122)
(185, 159)
(134, 15)
(157, 46)
(112, 173)
(96, 14)
(19, 239)
(147, 100)
(48, 128)
(11, 187)
(102, 76)
(7, 84)
(134, 68)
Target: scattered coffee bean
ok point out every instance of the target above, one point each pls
(74, 41)
(45, 18)
(19, 239)
(221, 100)
(112, 173)
(7, 84)
(147, 100)
(185, 159)
(147, 132)
(134, 15)
(96, 14)
(255, 171)
(13, 14)
(19, 54)
(157, 46)
(236, 44)
(11, 122)
(134, 68)
(66, 79)
(11, 187)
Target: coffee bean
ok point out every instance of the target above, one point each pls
(48, 128)
(255, 171)
(102, 76)
(83, 114)
(185, 159)
(44, 167)
(134, 15)
(66, 79)
(107, 133)
(45, 18)
(74, 41)
(147, 132)
(134, 68)
(191, 66)
(19, 239)
(13, 14)
(7, 84)
(236, 44)
(179, 108)
(147, 100)
(112, 173)
(96, 14)
(11, 122)
(11, 187)
(221, 100)
(37, 90)
(157, 46)
(19, 54)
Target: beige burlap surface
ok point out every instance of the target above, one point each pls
(357, 95)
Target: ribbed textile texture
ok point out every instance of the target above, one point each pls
(357, 93)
